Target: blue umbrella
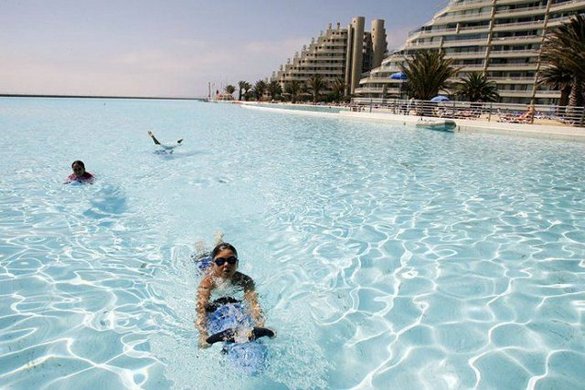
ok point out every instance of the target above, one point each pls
(398, 76)
(440, 98)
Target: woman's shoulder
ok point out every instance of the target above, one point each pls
(206, 282)
(243, 279)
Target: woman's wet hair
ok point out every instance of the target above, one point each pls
(222, 246)
(78, 162)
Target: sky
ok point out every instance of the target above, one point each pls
(172, 48)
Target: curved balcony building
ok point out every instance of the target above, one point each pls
(501, 38)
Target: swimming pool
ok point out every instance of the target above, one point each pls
(302, 107)
(385, 257)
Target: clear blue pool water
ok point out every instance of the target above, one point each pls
(304, 107)
(385, 257)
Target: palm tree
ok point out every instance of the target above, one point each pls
(246, 87)
(259, 89)
(564, 48)
(315, 83)
(428, 72)
(274, 89)
(304, 93)
(229, 89)
(476, 87)
(293, 88)
(241, 85)
(338, 88)
(557, 76)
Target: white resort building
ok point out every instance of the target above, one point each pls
(501, 38)
(338, 53)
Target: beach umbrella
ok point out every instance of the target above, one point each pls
(440, 98)
(398, 76)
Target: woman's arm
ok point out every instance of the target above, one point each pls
(203, 294)
(251, 297)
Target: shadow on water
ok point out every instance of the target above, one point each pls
(168, 155)
(109, 201)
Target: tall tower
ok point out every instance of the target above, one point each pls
(336, 54)
(378, 41)
(357, 47)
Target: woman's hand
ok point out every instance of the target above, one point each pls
(203, 344)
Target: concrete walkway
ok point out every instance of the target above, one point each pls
(480, 126)
(550, 131)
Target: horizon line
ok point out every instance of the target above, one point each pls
(99, 96)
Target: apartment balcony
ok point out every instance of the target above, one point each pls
(466, 55)
(393, 91)
(381, 79)
(555, 22)
(383, 72)
(476, 29)
(444, 31)
(574, 5)
(294, 78)
(368, 90)
(321, 72)
(517, 40)
(520, 12)
(510, 2)
(434, 32)
(512, 80)
(548, 94)
(464, 18)
(471, 4)
(330, 51)
(533, 25)
(425, 45)
(513, 53)
(471, 68)
(321, 65)
(338, 43)
(517, 94)
(467, 42)
(509, 67)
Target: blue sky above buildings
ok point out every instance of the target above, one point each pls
(171, 47)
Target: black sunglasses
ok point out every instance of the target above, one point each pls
(219, 261)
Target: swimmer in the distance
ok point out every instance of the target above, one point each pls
(170, 148)
(79, 175)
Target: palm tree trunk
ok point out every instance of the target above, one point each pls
(575, 100)
(565, 93)
(576, 96)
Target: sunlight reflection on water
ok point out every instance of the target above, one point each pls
(385, 257)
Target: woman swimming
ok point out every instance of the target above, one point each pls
(226, 292)
(79, 175)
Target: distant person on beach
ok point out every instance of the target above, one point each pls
(528, 116)
(79, 175)
(164, 147)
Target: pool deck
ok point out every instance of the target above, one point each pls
(550, 130)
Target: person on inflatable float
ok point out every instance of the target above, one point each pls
(227, 300)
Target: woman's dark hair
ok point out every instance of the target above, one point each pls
(222, 246)
(78, 162)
